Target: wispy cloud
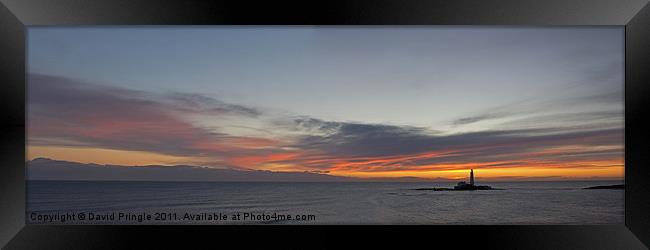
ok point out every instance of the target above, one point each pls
(197, 103)
(69, 112)
(478, 118)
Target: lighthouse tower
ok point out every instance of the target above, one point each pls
(471, 177)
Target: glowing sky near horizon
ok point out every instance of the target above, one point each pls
(352, 101)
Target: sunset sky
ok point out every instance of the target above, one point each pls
(350, 101)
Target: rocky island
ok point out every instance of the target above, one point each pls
(463, 186)
(621, 186)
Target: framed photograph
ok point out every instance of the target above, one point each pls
(492, 124)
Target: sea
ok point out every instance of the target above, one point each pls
(133, 202)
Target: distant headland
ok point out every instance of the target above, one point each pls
(463, 186)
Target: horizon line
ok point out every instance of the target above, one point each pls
(325, 174)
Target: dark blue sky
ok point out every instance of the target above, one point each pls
(378, 74)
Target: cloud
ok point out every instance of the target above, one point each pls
(69, 112)
(197, 103)
(378, 147)
(66, 112)
(343, 138)
(613, 97)
(578, 121)
(592, 108)
(478, 118)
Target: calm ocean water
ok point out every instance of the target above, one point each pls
(329, 203)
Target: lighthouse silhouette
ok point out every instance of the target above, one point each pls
(471, 177)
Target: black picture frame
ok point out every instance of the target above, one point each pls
(15, 15)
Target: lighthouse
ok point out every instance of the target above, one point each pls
(471, 177)
(468, 186)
